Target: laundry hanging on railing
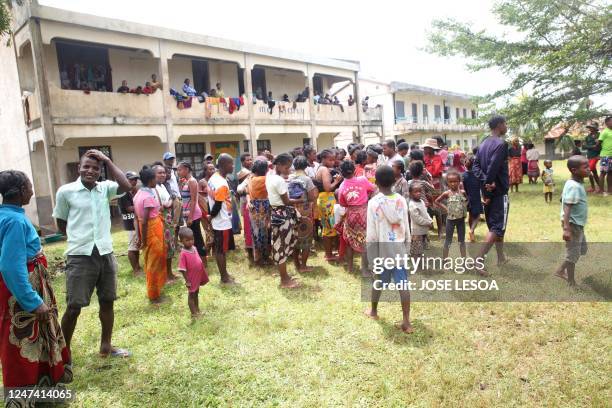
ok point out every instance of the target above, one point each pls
(182, 101)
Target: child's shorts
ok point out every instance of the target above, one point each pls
(550, 188)
(577, 246)
(593, 163)
(399, 275)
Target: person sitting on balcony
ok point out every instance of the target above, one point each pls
(351, 101)
(123, 88)
(303, 96)
(137, 90)
(148, 89)
(286, 98)
(220, 93)
(365, 103)
(271, 102)
(155, 84)
(188, 89)
(316, 98)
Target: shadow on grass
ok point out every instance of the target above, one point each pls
(598, 286)
(317, 271)
(421, 336)
(305, 292)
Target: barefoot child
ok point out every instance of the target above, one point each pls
(471, 185)
(456, 208)
(547, 178)
(191, 266)
(574, 210)
(388, 236)
(420, 221)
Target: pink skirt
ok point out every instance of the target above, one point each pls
(248, 236)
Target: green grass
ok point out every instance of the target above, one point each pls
(261, 346)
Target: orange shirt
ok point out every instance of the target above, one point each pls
(257, 188)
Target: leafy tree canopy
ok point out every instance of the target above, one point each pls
(556, 53)
(5, 20)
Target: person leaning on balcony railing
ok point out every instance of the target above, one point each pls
(124, 88)
(188, 89)
(155, 84)
(365, 103)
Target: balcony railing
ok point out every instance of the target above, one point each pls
(336, 112)
(100, 105)
(437, 126)
(211, 109)
(281, 110)
(372, 114)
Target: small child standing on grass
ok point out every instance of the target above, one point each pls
(471, 185)
(191, 266)
(388, 236)
(420, 221)
(456, 208)
(547, 178)
(574, 209)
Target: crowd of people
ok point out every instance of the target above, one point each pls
(379, 196)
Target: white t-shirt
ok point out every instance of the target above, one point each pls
(390, 161)
(219, 191)
(276, 186)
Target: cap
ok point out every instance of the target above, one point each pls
(168, 156)
(131, 175)
(208, 157)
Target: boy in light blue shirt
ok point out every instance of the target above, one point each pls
(574, 209)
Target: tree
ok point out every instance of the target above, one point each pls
(557, 55)
(5, 19)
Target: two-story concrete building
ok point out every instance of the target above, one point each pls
(62, 70)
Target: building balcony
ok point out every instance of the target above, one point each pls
(210, 111)
(410, 124)
(281, 111)
(31, 109)
(335, 113)
(372, 114)
(78, 107)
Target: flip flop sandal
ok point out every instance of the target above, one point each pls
(117, 352)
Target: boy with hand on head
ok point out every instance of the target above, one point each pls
(388, 236)
(574, 210)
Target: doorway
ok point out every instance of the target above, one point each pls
(231, 148)
(201, 76)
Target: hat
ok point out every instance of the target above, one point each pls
(593, 125)
(243, 173)
(131, 175)
(208, 157)
(168, 156)
(433, 143)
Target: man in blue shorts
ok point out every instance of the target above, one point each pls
(491, 168)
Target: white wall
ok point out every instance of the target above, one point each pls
(135, 67)
(227, 74)
(431, 100)
(283, 142)
(284, 82)
(13, 138)
(179, 68)
(129, 153)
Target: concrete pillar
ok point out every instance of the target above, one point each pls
(359, 111)
(311, 105)
(44, 101)
(165, 80)
(248, 99)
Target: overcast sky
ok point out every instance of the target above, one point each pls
(385, 36)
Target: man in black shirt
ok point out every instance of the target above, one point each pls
(126, 206)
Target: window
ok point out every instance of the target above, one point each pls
(447, 112)
(91, 62)
(104, 149)
(473, 114)
(264, 145)
(457, 113)
(246, 146)
(474, 142)
(425, 113)
(399, 110)
(464, 113)
(192, 153)
(414, 113)
(437, 112)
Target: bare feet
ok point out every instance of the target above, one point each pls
(405, 327)
(371, 314)
(502, 261)
(483, 272)
(562, 274)
(138, 273)
(290, 284)
(471, 236)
